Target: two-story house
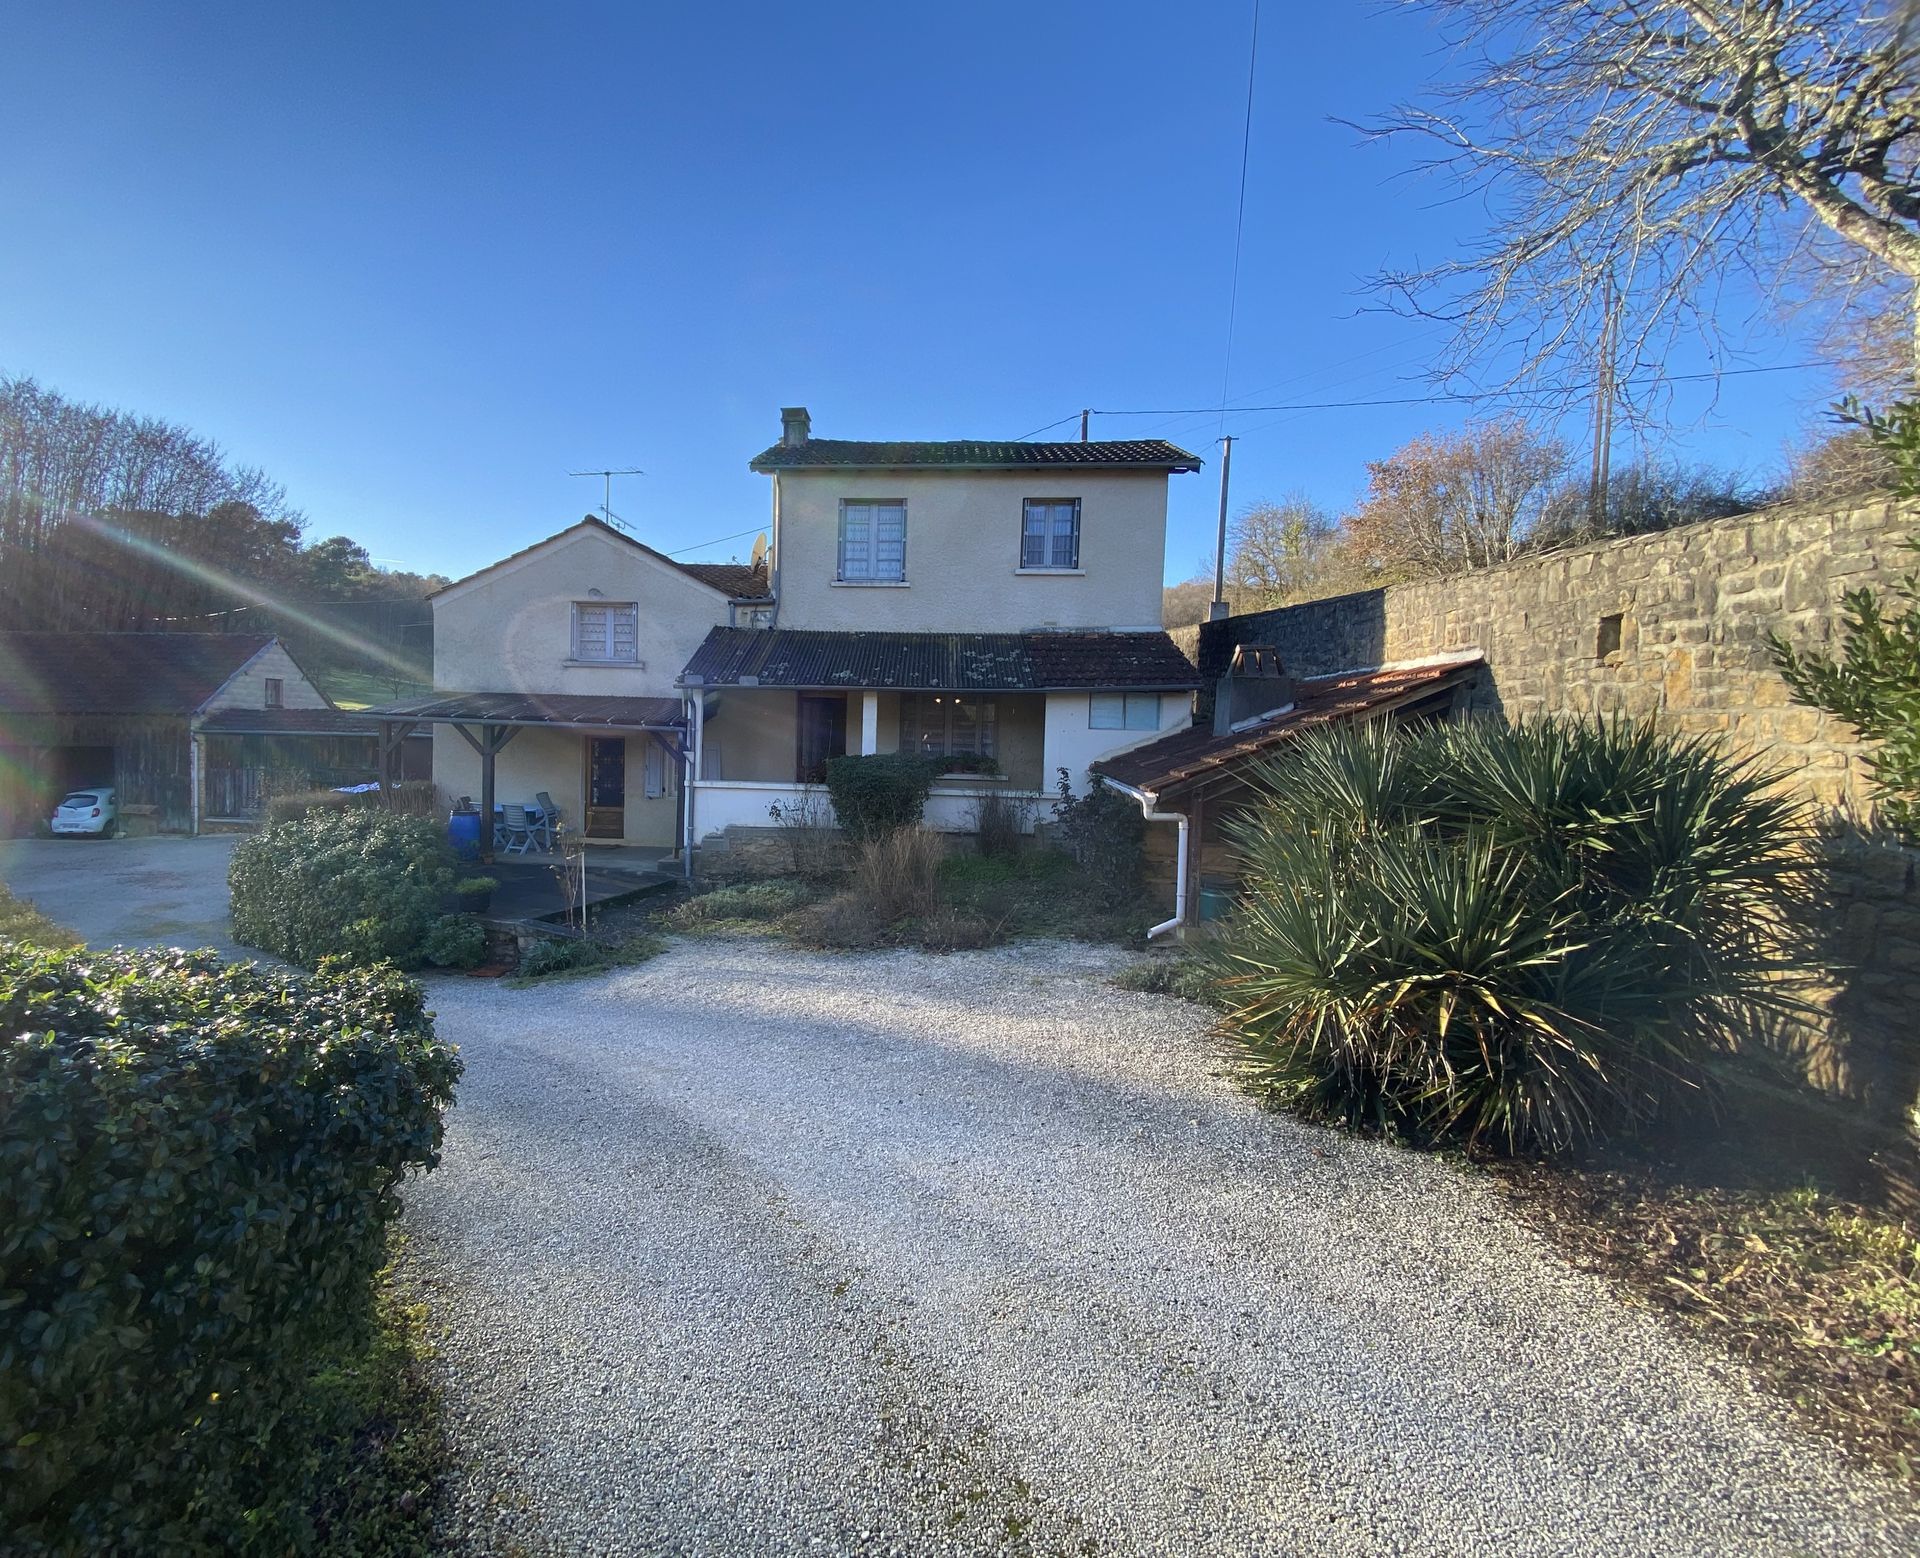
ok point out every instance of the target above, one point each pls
(994, 603)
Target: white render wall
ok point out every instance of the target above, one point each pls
(511, 630)
(1072, 743)
(556, 761)
(963, 552)
(248, 688)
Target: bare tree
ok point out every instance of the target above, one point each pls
(1449, 502)
(1281, 552)
(1650, 148)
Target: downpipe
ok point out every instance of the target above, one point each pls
(1146, 799)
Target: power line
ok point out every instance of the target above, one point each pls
(736, 535)
(1240, 213)
(1048, 428)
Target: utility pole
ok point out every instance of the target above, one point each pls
(606, 498)
(1603, 395)
(1219, 607)
(1083, 425)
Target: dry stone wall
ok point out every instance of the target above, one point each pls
(1675, 626)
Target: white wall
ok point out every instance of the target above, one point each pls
(1072, 744)
(963, 552)
(556, 761)
(248, 688)
(511, 630)
(950, 808)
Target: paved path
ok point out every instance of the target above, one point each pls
(752, 1252)
(137, 892)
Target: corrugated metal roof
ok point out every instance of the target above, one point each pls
(973, 454)
(118, 673)
(533, 708)
(937, 662)
(1187, 755)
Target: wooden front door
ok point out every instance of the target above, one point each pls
(823, 734)
(607, 787)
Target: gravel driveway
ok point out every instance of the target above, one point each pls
(753, 1251)
(133, 892)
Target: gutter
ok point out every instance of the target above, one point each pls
(1148, 800)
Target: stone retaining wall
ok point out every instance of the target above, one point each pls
(1675, 626)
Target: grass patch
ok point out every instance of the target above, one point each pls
(353, 687)
(1820, 1298)
(1178, 976)
(20, 921)
(742, 905)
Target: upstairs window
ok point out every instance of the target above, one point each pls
(873, 542)
(276, 692)
(1124, 711)
(945, 724)
(1050, 533)
(606, 632)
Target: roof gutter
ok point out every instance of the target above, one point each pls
(1148, 800)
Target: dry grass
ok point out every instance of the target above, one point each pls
(898, 877)
(20, 921)
(1819, 1297)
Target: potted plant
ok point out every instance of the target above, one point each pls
(475, 893)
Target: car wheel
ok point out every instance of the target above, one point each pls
(109, 830)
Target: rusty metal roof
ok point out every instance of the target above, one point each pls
(1175, 761)
(578, 710)
(937, 662)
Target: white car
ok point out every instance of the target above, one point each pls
(88, 811)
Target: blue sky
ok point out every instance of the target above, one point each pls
(419, 261)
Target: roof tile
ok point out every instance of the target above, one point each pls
(815, 453)
(118, 673)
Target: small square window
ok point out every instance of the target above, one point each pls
(1124, 711)
(1050, 533)
(276, 692)
(606, 632)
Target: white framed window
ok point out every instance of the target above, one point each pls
(606, 632)
(873, 541)
(1050, 533)
(945, 724)
(1124, 711)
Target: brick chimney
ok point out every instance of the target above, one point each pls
(1255, 684)
(796, 427)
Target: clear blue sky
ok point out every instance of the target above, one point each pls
(418, 261)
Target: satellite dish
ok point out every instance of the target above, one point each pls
(759, 549)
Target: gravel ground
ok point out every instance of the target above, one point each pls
(752, 1251)
(132, 892)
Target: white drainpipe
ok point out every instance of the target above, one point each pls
(1147, 798)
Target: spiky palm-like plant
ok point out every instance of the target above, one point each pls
(1524, 936)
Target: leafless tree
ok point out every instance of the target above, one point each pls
(1450, 502)
(1281, 552)
(1649, 149)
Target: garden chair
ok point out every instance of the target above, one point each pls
(550, 818)
(514, 832)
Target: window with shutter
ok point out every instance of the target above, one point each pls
(873, 542)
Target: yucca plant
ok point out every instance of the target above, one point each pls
(1523, 936)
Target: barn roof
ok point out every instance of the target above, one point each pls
(118, 673)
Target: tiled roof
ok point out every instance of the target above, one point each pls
(118, 673)
(532, 708)
(286, 722)
(1177, 760)
(934, 662)
(966, 453)
(741, 581)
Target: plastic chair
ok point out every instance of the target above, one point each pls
(514, 832)
(550, 819)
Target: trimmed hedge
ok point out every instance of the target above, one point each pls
(879, 793)
(362, 884)
(198, 1164)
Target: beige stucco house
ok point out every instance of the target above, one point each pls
(993, 604)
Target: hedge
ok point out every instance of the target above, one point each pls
(879, 793)
(362, 884)
(198, 1165)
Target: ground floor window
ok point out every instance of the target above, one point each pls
(947, 725)
(1124, 711)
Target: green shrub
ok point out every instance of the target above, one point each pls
(751, 901)
(880, 793)
(363, 884)
(410, 798)
(456, 941)
(1104, 834)
(1522, 936)
(198, 1165)
(1187, 978)
(554, 956)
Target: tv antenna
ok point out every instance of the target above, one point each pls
(606, 499)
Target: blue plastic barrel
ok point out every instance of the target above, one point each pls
(463, 833)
